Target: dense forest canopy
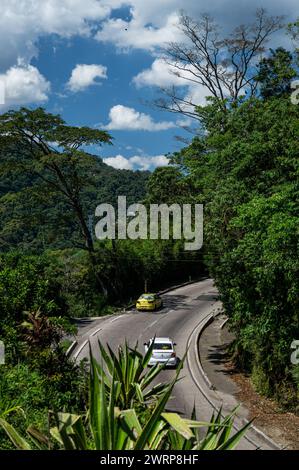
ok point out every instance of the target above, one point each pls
(244, 168)
(35, 217)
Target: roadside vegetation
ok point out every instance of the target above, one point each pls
(244, 167)
(119, 417)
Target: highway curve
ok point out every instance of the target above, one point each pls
(185, 308)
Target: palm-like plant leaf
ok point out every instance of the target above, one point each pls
(129, 369)
(15, 437)
(111, 426)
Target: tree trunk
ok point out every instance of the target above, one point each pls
(89, 246)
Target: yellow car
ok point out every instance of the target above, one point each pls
(149, 302)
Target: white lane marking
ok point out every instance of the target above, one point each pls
(96, 331)
(80, 349)
(114, 319)
(152, 324)
(169, 311)
(148, 327)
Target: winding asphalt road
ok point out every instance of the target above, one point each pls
(185, 308)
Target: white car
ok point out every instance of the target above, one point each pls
(163, 352)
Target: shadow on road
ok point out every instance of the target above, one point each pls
(219, 355)
(210, 297)
(170, 302)
(175, 301)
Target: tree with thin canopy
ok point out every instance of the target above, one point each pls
(48, 148)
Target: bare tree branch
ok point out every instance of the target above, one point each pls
(224, 66)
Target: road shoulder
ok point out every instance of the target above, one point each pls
(234, 387)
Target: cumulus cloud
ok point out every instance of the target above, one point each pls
(162, 74)
(84, 75)
(159, 74)
(150, 23)
(147, 163)
(197, 95)
(125, 118)
(24, 84)
(23, 22)
(148, 26)
(138, 35)
(136, 162)
(153, 23)
(119, 162)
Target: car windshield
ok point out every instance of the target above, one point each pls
(163, 346)
(147, 297)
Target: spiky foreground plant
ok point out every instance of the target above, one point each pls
(107, 426)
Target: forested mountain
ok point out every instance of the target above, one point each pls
(34, 218)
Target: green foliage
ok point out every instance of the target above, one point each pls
(125, 370)
(24, 285)
(28, 393)
(246, 168)
(59, 177)
(110, 427)
(167, 185)
(160, 262)
(47, 193)
(276, 73)
(42, 187)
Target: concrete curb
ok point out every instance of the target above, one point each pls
(260, 434)
(82, 346)
(82, 319)
(71, 348)
(205, 324)
(187, 283)
(223, 324)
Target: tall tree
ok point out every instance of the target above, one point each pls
(275, 73)
(167, 185)
(246, 174)
(224, 66)
(49, 149)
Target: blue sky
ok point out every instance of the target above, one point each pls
(98, 62)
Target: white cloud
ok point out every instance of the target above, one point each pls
(184, 122)
(24, 84)
(125, 118)
(162, 74)
(136, 162)
(159, 74)
(147, 163)
(139, 33)
(22, 22)
(197, 94)
(84, 75)
(153, 23)
(119, 162)
(149, 26)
